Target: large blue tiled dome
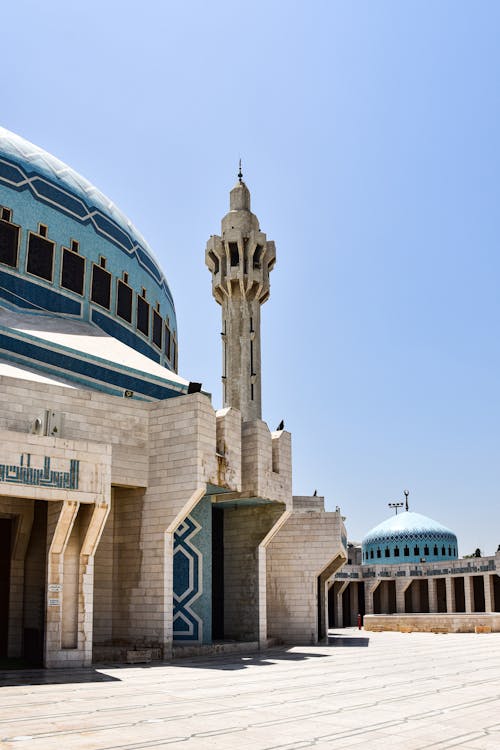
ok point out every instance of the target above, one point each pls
(408, 538)
(67, 251)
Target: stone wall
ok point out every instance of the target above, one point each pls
(435, 623)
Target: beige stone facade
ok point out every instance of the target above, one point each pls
(467, 586)
(92, 560)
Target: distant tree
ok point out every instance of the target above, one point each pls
(477, 553)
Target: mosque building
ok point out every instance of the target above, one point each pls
(137, 522)
(407, 574)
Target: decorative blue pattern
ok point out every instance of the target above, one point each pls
(59, 361)
(38, 189)
(24, 166)
(407, 538)
(24, 473)
(188, 587)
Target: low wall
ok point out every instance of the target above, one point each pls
(477, 622)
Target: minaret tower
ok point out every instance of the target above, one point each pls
(240, 261)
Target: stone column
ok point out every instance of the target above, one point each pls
(469, 594)
(433, 600)
(370, 587)
(401, 586)
(489, 604)
(339, 607)
(450, 595)
(55, 576)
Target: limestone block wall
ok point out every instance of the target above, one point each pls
(266, 462)
(436, 622)
(228, 445)
(182, 454)
(87, 416)
(300, 554)
(244, 530)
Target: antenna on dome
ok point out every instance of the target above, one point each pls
(240, 173)
(395, 506)
(406, 493)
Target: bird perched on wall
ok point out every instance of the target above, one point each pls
(315, 493)
(281, 425)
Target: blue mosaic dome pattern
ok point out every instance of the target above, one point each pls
(38, 189)
(408, 538)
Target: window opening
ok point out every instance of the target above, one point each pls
(443, 550)
(72, 270)
(124, 300)
(157, 329)
(40, 261)
(43, 230)
(379, 553)
(9, 240)
(387, 552)
(75, 246)
(125, 277)
(102, 261)
(426, 550)
(100, 292)
(416, 550)
(371, 554)
(142, 315)
(234, 254)
(435, 550)
(396, 551)
(406, 551)
(168, 339)
(257, 256)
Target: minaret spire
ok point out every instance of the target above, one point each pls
(240, 261)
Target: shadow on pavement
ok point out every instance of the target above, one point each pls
(347, 641)
(16, 677)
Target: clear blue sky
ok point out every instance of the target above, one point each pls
(370, 139)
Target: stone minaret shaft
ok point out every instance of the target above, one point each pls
(240, 261)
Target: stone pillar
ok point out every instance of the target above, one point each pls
(450, 595)
(433, 600)
(489, 603)
(469, 594)
(339, 607)
(401, 586)
(370, 587)
(55, 576)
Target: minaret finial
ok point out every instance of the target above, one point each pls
(406, 493)
(240, 173)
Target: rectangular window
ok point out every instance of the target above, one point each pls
(174, 354)
(101, 287)
(234, 254)
(124, 301)
(157, 329)
(6, 214)
(142, 316)
(9, 243)
(73, 271)
(40, 257)
(257, 256)
(168, 340)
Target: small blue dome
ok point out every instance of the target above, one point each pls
(409, 537)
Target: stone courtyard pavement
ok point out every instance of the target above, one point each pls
(413, 691)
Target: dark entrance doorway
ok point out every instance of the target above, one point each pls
(217, 574)
(5, 553)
